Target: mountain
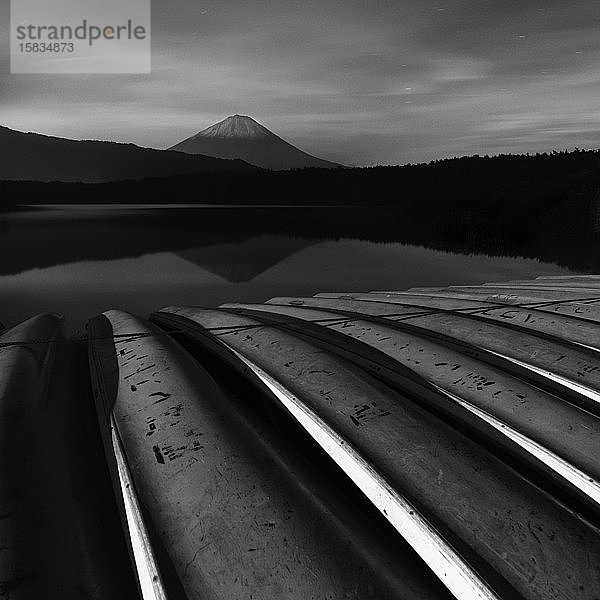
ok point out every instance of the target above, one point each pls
(35, 157)
(244, 138)
(244, 261)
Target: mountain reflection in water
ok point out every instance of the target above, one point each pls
(80, 263)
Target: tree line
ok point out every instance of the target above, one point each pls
(545, 205)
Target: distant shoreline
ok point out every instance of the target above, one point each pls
(174, 206)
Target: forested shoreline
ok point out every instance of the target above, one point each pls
(544, 205)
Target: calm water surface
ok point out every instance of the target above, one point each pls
(80, 262)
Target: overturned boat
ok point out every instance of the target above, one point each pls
(431, 443)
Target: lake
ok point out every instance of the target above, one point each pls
(80, 261)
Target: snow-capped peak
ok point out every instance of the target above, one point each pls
(237, 126)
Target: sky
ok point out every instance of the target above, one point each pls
(361, 82)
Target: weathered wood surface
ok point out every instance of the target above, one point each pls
(238, 514)
(559, 427)
(573, 305)
(547, 355)
(420, 444)
(452, 481)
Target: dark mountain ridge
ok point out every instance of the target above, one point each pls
(35, 157)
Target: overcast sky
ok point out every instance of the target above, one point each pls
(356, 81)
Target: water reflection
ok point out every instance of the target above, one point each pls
(82, 266)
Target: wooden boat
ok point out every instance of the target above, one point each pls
(426, 462)
(463, 301)
(235, 510)
(555, 364)
(537, 426)
(426, 444)
(541, 320)
(58, 521)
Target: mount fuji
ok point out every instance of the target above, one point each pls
(244, 138)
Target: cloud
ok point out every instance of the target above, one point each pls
(354, 81)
